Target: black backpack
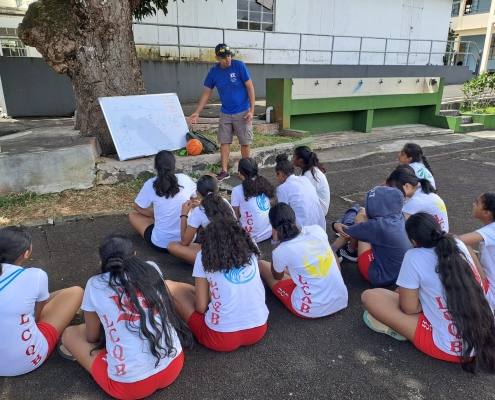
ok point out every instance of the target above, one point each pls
(209, 146)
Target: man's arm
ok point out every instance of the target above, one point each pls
(202, 102)
(250, 90)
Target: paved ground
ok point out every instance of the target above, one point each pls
(334, 357)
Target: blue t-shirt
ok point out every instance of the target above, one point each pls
(230, 86)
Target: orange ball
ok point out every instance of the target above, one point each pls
(194, 147)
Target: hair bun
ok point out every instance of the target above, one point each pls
(115, 264)
(281, 157)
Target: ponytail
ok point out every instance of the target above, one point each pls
(166, 183)
(426, 186)
(283, 220)
(214, 205)
(143, 287)
(14, 242)
(254, 184)
(415, 152)
(427, 164)
(401, 175)
(466, 302)
(310, 160)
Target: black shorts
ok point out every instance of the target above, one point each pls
(147, 239)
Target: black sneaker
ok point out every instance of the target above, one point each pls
(351, 256)
(223, 175)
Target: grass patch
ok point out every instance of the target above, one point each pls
(259, 140)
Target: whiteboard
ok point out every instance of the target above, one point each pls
(143, 125)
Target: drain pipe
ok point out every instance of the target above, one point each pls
(268, 114)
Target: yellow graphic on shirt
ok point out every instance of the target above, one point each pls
(441, 205)
(323, 254)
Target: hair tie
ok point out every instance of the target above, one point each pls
(438, 235)
(209, 193)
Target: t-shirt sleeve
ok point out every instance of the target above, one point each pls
(191, 188)
(364, 231)
(412, 206)
(488, 234)
(408, 274)
(278, 263)
(43, 293)
(143, 199)
(198, 269)
(87, 303)
(235, 199)
(244, 73)
(195, 217)
(209, 81)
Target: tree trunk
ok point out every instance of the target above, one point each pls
(92, 42)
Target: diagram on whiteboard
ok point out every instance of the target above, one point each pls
(143, 125)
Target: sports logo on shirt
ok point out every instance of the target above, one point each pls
(323, 254)
(238, 276)
(232, 77)
(424, 174)
(262, 202)
(441, 205)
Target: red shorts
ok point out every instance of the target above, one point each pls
(283, 291)
(223, 341)
(50, 334)
(364, 261)
(139, 389)
(423, 340)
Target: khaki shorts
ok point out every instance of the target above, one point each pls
(235, 123)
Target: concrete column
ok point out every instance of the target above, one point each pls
(488, 38)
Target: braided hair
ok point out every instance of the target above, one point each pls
(310, 160)
(416, 153)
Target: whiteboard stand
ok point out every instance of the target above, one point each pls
(142, 126)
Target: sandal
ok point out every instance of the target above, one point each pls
(377, 326)
(64, 353)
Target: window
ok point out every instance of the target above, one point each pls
(251, 15)
(11, 45)
(471, 7)
(455, 9)
(491, 55)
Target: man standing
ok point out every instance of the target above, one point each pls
(236, 90)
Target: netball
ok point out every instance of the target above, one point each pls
(194, 147)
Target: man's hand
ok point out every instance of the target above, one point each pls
(194, 118)
(248, 117)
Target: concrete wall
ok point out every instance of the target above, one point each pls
(32, 88)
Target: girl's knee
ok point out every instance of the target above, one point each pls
(75, 291)
(368, 297)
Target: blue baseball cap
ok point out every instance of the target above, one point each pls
(222, 50)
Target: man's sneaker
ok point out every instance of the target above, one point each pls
(377, 326)
(223, 175)
(351, 256)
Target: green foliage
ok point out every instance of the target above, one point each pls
(18, 199)
(447, 58)
(478, 93)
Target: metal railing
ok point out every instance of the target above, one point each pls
(332, 51)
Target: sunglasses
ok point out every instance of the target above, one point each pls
(223, 50)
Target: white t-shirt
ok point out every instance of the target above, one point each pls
(418, 272)
(486, 255)
(167, 211)
(23, 347)
(428, 203)
(423, 173)
(322, 188)
(237, 297)
(300, 194)
(129, 358)
(254, 214)
(320, 289)
(198, 217)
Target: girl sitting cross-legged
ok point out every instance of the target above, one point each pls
(132, 340)
(304, 273)
(225, 309)
(212, 207)
(440, 305)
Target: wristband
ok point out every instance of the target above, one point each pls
(275, 241)
(183, 215)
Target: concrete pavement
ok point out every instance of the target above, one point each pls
(334, 357)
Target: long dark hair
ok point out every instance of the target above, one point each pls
(144, 287)
(283, 220)
(14, 241)
(488, 201)
(284, 165)
(310, 160)
(214, 205)
(254, 184)
(416, 153)
(226, 245)
(166, 183)
(400, 176)
(467, 305)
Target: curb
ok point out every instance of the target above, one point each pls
(71, 218)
